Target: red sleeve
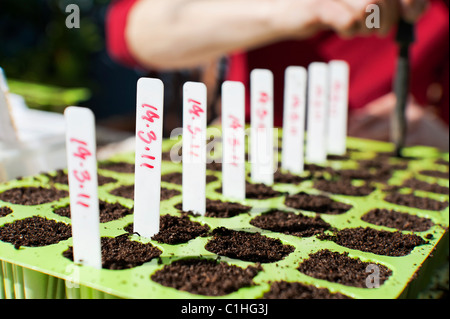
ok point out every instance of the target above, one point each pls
(237, 71)
(116, 21)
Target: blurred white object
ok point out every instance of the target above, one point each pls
(39, 141)
(3, 83)
(7, 128)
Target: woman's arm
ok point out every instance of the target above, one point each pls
(185, 33)
(171, 34)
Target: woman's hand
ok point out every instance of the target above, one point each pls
(348, 17)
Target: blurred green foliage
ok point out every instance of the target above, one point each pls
(37, 47)
(48, 97)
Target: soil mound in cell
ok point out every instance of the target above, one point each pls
(290, 223)
(205, 277)
(316, 203)
(376, 241)
(341, 269)
(32, 195)
(247, 246)
(34, 232)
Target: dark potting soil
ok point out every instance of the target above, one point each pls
(381, 163)
(108, 211)
(364, 174)
(177, 178)
(127, 191)
(318, 172)
(119, 167)
(258, 191)
(413, 201)
(442, 162)
(424, 186)
(247, 246)
(205, 277)
(341, 269)
(311, 172)
(34, 232)
(369, 175)
(5, 210)
(176, 154)
(219, 209)
(393, 154)
(383, 175)
(289, 178)
(290, 223)
(344, 157)
(298, 290)
(32, 195)
(397, 220)
(343, 187)
(168, 193)
(176, 230)
(316, 203)
(379, 242)
(314, 168)
(60, 177)
(381, 169)
(122, 253)
(433, 173)
(214, 166)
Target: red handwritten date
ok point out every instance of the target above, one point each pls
(317, 103)
(261, 111)
(195, 110)
(81, 176)
(294, 116)
(233, 141)
(150, 116)
(335, 98)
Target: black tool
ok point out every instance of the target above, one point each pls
(405, 36)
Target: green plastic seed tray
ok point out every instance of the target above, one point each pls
(46, 271)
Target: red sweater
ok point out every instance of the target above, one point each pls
(372, 59)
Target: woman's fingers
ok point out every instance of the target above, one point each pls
(340, 17)
(411, 10)
(349, 17)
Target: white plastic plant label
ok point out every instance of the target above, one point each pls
(8, 131)
(82, 174)
(261, 139)
(316, 142)
(338, 107)
(194, 147)
(3, 81)
(292, 156)
(147, 183)
(233, 137)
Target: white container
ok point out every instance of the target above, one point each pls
(42, 142)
